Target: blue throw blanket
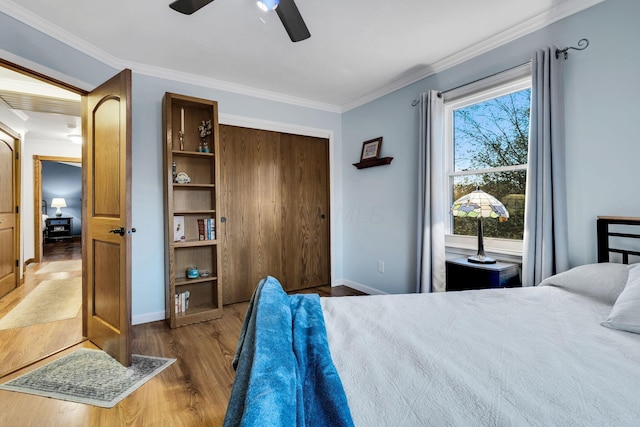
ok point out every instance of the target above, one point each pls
(284, 372)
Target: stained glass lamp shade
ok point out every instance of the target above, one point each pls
(478, 205)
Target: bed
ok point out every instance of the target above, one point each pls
(564, 353)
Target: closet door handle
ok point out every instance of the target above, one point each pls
(323, 216)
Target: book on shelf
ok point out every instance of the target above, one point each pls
(211, 228)
(182, 302)
(206, 229)
(201, 230)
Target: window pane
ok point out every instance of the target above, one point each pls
(509, 188)
(492, 133)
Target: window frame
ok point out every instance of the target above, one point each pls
(510, 81)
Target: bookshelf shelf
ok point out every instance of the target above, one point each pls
(194, 243)
(183, 281)
(179, 153)
(201, 212)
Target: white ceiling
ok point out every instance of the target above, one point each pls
(358, 50)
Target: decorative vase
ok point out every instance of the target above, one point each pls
(205, 145)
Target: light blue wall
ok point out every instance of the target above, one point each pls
(602, 143)
(17, 39)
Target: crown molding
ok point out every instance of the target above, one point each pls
(270, 125)
(179, 76)
(555, 14)
(540, 21)
(37, 22)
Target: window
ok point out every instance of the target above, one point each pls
(487, 136)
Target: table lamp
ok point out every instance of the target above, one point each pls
(479, 204)
(58, 202)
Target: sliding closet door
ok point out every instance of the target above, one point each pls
(305, 211)
(274, 196)
(249, 202)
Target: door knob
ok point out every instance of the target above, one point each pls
(121, 231)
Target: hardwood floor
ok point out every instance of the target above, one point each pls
(192, 392)
(62, 250)
(22, 346)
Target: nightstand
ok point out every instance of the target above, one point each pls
(464, 275)
(58, 228)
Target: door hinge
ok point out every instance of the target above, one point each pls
(17, 156)
(17, 263)
(17, 209)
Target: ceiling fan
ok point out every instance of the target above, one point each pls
(286, 9)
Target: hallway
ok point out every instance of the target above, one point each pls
(22, 346)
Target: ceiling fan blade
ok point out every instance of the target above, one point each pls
(188, 6)
(292, 21)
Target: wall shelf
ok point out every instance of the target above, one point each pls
(369, 163)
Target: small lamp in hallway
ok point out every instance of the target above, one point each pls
(58, 202)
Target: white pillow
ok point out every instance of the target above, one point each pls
(625, 314)
(603, 282)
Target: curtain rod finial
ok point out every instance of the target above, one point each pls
(582, 45)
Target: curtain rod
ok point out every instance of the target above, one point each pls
(440, 93)
(582, 45)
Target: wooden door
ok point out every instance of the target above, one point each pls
(304, 211)
(9, 213)
(249, 202)
(274, 191)
(106, 244)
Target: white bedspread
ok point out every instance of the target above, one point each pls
(500, 357)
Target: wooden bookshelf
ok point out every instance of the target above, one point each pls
(191, 201)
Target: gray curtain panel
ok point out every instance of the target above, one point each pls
(545, 251)
(431, 195)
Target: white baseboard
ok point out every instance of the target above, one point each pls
(147, 318)
(358, 286)
(159, 315)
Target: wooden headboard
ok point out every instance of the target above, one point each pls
(605, 248)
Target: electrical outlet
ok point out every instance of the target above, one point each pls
(380, 266)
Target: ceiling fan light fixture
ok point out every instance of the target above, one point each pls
(267, 5)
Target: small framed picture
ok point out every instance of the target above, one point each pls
(178, 229)
(371, 149)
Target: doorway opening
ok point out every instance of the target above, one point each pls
(46, 114)
(58, 229)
